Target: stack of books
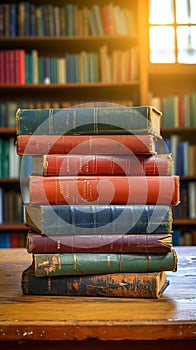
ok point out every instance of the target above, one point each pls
(100, 201)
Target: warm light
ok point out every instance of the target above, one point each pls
(162, 47)
(172, 31)
(161, 12)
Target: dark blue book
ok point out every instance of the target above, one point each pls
(99, 219)
(180, 158)
(32, 20)
(27, 19)
(13, 27)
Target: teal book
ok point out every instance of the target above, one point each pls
(100, 263)
(193, 108)
(89, 121)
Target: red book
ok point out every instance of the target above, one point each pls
(85, 144)
(129, 243)
(107, 19)
(51, 165)
(20, 66)
(182, 113)
(104, 190)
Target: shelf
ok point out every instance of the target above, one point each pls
(9, 180)
(73, 43)
(179, 69)
(7, 131)
(184, 133)
(13, 227)
(187, 178)
(184, 222)
(73, 91)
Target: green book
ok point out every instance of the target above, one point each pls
(100, 263)
(89, 121)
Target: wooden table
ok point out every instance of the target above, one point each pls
(46, 322)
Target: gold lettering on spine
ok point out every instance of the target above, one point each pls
(50, 121)
(49, 284)
(74, 119)
(148, 260)
(120, 143)
(58, 244)
(75, 263)
(120, 263)
(90, 144)
(96, 111)
(108, 260)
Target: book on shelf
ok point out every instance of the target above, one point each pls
(178, 110)
(99, 219)
(89, 121)
(163, 190)
(51, 20)
(192, 199)
(51, 165)
(85, 144)
(13, 64)
(124, 243)
(57, 264)
(124, 285)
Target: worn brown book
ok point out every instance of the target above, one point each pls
(130, 243)
(124, 285)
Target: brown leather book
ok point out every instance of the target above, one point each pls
(124, 285)
(130, 243)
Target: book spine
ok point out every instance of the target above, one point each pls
(99, 219)
(100, 190)
(100, 263)
(85, 144)
(132, 243)
(108, 285)
(88, 121)
(105, 165)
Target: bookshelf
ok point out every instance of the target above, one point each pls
(177, 81)
(114, 48)
(146, 80)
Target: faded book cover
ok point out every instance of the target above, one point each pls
(89, 120)
(99, 219)
(85, 144)
(58, 264)
(130, 243)
(123, 285)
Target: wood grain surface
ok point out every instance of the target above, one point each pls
(38, 318)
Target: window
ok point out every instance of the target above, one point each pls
(172, 31)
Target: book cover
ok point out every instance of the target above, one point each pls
(163, 190)
(89, 121)
(124, 285)
(85, 144)
(130, 243)
(99, 219)
(51, 165)
(51, 264)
